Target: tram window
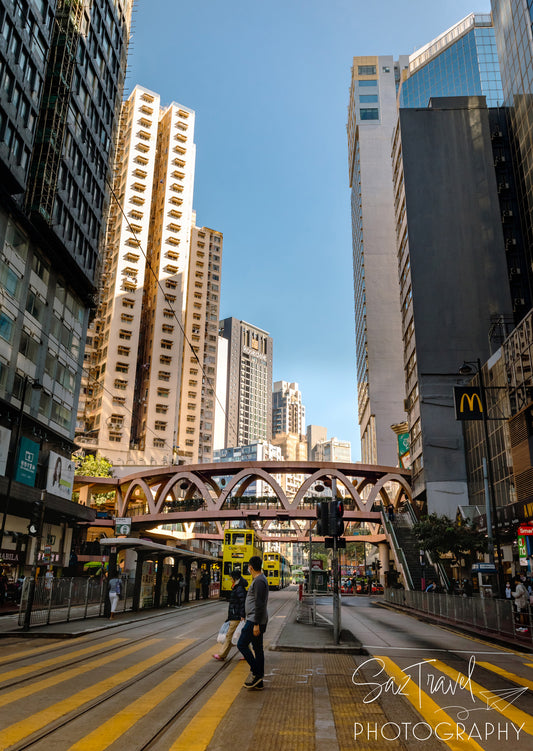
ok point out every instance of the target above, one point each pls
(228, 567)
(227, 538)
(238, 539)
(248, 539)
(245, 570)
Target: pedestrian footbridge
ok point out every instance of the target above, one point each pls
(202, 493)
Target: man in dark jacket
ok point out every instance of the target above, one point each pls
(255, 626)
(235, 610)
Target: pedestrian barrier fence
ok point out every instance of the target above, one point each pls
(60, 600)
(498, 617)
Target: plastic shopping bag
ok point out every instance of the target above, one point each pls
(237, 633)
(221, 638)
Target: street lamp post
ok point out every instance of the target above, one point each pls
(466, 369)
(36, 386)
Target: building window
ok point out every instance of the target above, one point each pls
(122, 367)
(127, 302)
(123, 351)
(166, 344)
(161, 408)
(163, 392)
(366, 70)
(120, 384)
(159, 443)
(6, 327)
(368, 98)
(369, 113)
(371, 83)
(164, 375)
(124, 334)
(160, 425)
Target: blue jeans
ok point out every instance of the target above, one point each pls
(255, 660)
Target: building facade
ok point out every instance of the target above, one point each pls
(453, 273)
(288, 411)
(198, 380)
(371, 119)
(513, 20)
(332, 450)
(62, 69)
(247, 399)
(255, 451)
(152, 345)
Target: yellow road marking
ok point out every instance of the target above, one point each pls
(528, 664)
(55, 660)
(513, 714)
(106, 734)
(200, 730)
(22, 729)
(506, 674)
(479, 640)
(430, 710)
(35, 651)
(66, 675)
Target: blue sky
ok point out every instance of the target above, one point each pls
(269, 83)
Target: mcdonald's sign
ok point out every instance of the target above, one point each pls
(468, 404)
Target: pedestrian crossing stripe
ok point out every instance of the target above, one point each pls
(506, 674)
(37, 650)
(429, 709)
(66, 675)
(201, 729)
(107, 733)
(36, 666)
(17, 731)
(493, 700)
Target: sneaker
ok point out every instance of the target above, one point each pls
(258, 687)
(252, 681)
(218, 657)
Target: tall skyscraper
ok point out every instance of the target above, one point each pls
(198, 381)
(461, 61)
(159, 298)
(453, 272)
(248, 396)
(288, 412)
(62, 68)
(371, 118)
(513, 20)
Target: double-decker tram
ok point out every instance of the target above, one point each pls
(239, 546)
(277, 570)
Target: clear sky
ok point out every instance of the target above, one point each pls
(269, 82)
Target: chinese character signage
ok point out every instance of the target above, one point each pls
(26, 465)
(60, 479)
(5, 439)
(123, 526)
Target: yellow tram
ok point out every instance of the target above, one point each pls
(277, 570)
(239, 546)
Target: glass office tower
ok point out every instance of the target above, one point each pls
(461, 62)
(513, 20)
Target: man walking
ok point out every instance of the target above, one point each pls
(256, 615)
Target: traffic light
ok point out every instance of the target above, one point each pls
(336, 512)
(322, 514)
(34, 524)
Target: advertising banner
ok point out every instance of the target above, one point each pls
(60, 478)
(123, 526)
(5, 439)
(26, 465)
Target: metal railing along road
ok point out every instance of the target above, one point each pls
(486, 614)
(60, 600)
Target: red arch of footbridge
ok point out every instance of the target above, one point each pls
(156, 485)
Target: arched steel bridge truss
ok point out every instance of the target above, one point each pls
(215, 493)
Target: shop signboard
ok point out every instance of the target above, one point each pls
(26, 465)
(522, 550)
(123, 526)
(525, 530)
(60, 478)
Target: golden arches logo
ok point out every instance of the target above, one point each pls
(470, 400)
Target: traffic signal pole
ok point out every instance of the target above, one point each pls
(33, 575)
(335, 565)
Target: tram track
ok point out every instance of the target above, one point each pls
(118, 631)
(166, 723)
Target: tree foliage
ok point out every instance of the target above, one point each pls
(440, 535)
(93, 466)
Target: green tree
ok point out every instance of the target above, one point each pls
(439, 536)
